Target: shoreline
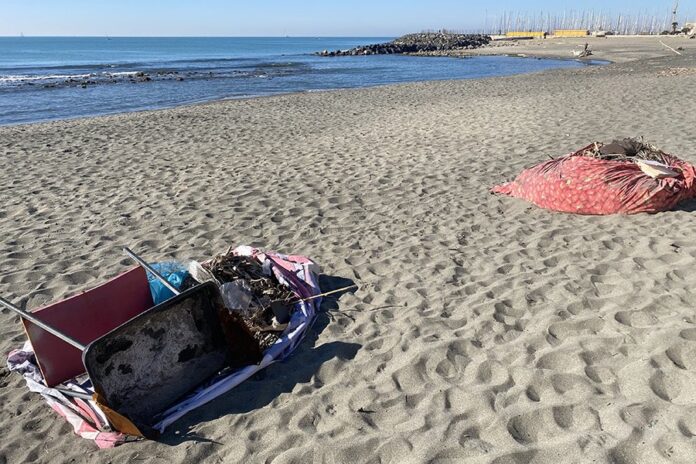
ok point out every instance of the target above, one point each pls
(609, 50)
(214, 100)
(484, 329)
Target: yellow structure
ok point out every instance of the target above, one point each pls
(535, 34)
(571, 33)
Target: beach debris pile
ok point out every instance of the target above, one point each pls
(584, 53)
(158, 355)
(251, 291)
(417, 43)
(628, 149)
(626, 176)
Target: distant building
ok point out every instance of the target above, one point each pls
(571, 33)
(526, 34)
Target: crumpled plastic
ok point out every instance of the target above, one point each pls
(174, 272)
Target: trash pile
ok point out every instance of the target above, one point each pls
(627, 149)
(133, 355)
(625, 176)
(252, 292)
(584, 53)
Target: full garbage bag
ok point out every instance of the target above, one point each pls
(595, 181)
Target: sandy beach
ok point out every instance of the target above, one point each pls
(617, 49)
(485, 330)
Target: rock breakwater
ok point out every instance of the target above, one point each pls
(417, 43)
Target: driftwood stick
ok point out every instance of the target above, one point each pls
(675, 51)
(338, 290)
(321, 295)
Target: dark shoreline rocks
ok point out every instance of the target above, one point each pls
(417, 43)
(135, 77)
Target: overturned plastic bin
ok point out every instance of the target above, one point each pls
(148, 362)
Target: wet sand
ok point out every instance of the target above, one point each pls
(484, 330)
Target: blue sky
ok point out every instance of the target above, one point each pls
(277, 17)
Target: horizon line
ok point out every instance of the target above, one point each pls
(109, 36)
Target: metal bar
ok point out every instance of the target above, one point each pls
(29, 317)
(149, 268)
(74, 394)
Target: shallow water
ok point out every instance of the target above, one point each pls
(44, 78)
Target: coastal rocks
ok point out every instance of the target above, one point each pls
(88, 80)
(140, 76)
(417, 43)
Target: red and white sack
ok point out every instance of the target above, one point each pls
(586, 185)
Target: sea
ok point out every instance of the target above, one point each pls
(49, 78)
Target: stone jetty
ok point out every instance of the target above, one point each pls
(417, 43)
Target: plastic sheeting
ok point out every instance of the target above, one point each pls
(85, 417)
(174, 272)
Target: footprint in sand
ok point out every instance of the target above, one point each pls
(666, 385)
(636, 319)
(683, 355)
(551, 423)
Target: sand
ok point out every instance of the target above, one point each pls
(617, 49)
(484, 330)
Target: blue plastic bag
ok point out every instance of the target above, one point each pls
(174, 272)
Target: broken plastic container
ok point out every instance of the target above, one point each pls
(236, 295)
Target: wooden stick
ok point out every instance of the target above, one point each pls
(310, 298)
(675, 51)
(338, 290)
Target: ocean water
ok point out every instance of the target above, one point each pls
(45, 78)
